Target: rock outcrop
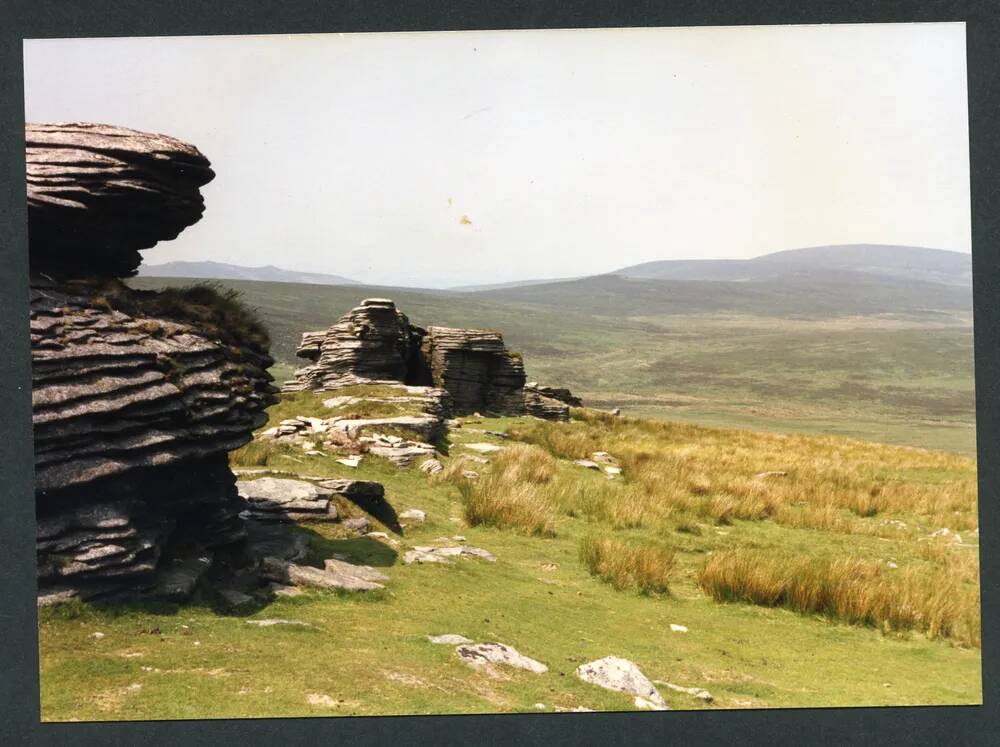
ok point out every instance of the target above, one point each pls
(375, 343)
(98, 194)
(137, 396)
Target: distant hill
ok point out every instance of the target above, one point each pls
(511, 284)
(222, 271)
(879, 260)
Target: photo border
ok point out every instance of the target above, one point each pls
(19, 677)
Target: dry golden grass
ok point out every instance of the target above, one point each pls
(828, 483)
(854, 590)
(626, 565)
(510, 494)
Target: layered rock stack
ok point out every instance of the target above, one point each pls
(475, 367)
(549, 403)
(375, 343)
(369, 344)
(137, 396)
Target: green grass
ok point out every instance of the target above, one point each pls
(368, 655)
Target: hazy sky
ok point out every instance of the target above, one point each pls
(567, 152)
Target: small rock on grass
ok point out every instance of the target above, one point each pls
(448, 639)
(678, 628)
(615, 673)
(697, 692)
(485, 654)
(431, 466)
(445, 554)
(588, 463)
(413, 514)
(267, 623)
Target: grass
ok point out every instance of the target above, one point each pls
(509, 495)
(626, 565)
(214, 309)
(370, 656)
(852, 589)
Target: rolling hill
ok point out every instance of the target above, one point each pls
(222, 271)
(899, 263)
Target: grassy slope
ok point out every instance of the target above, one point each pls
(883, 378)
(369, 654)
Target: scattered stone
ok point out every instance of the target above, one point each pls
(486, 654)
(445, 554)
(360, 524)
(458, 538)
(614, 673)
(612, 471)
(321, 700)
(616, 411)
(947, 534)
(890, 564)
(697, 692)
(283, 590)
(448, 639)
(589, 464)
(351, 461)
(431, 466)
(267, 623)
(337, 578)
(547, 408)
(539, 706)
(770, 473)
(469, 474)
(275, 499)
(414, 515)
(678, 628)
(176, 579)
(98, 635)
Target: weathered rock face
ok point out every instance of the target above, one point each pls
(98, 194)
(136, 401)
(375, 343)
(371, 343)
(476, 368)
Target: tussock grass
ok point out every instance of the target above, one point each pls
(851, 589)
(509, 495)
(627, 565)
(833, 484)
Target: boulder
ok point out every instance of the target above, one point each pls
(493, 654)
(545, 408)
(354, 578)
(276, 499)
(614, 673)
(421, 554)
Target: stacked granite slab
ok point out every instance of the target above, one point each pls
(549, 403)
(476, 369)
(371, 343)
(134, 409)
(375, 343)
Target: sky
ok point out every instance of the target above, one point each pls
(452, 158)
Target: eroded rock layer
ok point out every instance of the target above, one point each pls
(98, 194)
(137, 396)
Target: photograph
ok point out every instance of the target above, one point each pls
(505, 371)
